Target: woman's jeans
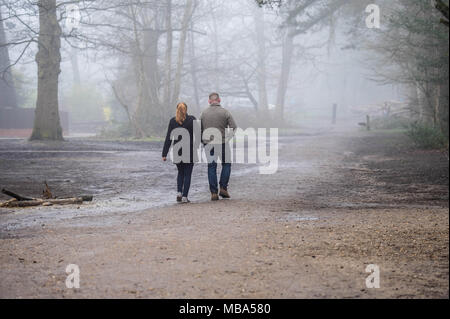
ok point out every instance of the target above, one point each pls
(184, 178)
(226, 169)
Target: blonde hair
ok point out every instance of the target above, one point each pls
(181, 114)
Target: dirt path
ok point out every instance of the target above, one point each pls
(338, 203)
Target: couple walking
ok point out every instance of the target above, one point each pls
(214, 117)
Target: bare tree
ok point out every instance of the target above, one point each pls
(189, 9)
(38, 23)
(48, 58)
(413, 50)
(8, 96)
(287, 55)
(263, 103)
(133, 33)
(194, 66)
(168, 59)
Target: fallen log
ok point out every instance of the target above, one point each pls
(4, 204)
(48, 199)
(41, 202)
(16, 196)
(16, 203)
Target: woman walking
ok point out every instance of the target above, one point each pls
(185, 121)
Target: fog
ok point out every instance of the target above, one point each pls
(322, 151)
(125, 65)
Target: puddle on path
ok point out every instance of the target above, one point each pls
(298, 217)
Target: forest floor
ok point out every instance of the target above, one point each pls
(339, 202)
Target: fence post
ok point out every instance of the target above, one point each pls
(335, 106)
(368, 122)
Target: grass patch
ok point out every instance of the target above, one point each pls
(427, 137)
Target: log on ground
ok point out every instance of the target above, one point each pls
(38, 202)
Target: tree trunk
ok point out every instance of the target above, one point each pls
(169, 45)
(194, 72)
(421, 104)
(75, 67)
(437, 107)
(185, 25)
(216, 49)
(47, 125)
(261, 61)
(8, 96)
(288, 50)
(249, 94)
(141, 112)
(152, 73)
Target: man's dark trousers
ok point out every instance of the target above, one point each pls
(226, 167)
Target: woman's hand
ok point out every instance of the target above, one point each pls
(164, 159)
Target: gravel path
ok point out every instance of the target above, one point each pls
(339, 202)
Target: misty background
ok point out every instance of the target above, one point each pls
(125, 64)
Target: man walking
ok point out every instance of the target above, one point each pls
(216, 118)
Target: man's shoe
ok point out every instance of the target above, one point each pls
(185, 200)
(224, 193)
(179, 198)
(214, 197)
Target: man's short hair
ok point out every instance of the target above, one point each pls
(214, 96)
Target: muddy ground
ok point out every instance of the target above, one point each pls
(339, 202)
